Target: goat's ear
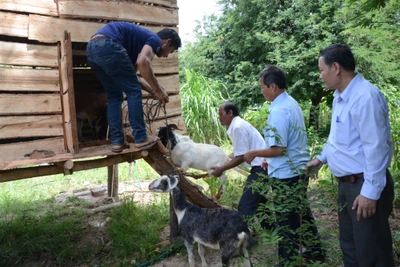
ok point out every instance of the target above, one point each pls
(173, 127)
(174, 180)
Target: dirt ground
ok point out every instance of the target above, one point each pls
(95, 233)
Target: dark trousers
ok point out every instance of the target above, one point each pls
(290, 217)
(368, 242)
(250, 199)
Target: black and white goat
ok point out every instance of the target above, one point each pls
(185, 153)
(215, 228)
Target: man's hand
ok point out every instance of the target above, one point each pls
(264, 165)
(365, 207)
(249, 156)
(313, 167)
(162, 96)
(217, 172)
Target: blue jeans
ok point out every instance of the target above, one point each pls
(113, 68)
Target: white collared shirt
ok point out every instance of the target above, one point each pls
(244, 138)
(360, 139)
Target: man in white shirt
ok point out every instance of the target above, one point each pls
(358, 152)
(244, 138)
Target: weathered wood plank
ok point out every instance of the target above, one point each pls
(28, 79)
(170, 83)
(30, 126)
(18, 104)
(166, 65)
(68, 95)
(86, 80)
(14, 24)
(45, 7)
(81, 30)
(16, 174)
(167, 3)
(118, 10)
(17, 151)
(28, 54)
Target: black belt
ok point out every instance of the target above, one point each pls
(351, 178)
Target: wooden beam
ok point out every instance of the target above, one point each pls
(161, 165)
(118, 10)
(37, 171)
(87, 152)
(29, 104)
(81, 30)
(12, 53)
(45, 7)
(30, 126)
(28, 79)
(68, 95)
(14, 24)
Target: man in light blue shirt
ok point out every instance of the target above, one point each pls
(358, 152)
(287, 154)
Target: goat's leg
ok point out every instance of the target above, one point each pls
(189, 248)
(201, 253)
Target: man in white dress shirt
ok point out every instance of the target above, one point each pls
(358, 152)
(244, 138)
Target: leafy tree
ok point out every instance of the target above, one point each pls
(249, 34)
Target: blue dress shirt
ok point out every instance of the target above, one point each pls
(286, 128)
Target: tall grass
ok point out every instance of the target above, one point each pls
(201, 97)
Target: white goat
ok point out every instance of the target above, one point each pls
(215, 228)
(185, 153)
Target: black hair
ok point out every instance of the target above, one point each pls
(167, 33)
(273, 74)
(341, 54)
(231, 106)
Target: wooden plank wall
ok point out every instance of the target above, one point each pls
(32, 99)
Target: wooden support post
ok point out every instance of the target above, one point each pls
(67, 94)
(113, 181)
(67, 166)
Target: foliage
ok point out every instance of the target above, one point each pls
(200, 99)
(29, 235)
(248, 35)
(136, 229)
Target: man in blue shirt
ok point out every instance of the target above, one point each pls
(114, 53)
(287, 154)
(358, 151)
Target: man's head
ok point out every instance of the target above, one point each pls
(272, 81)
(170, 42)
(227, 112)
(336, 64)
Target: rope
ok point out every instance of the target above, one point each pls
(173, 249)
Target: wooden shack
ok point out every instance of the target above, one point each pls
(44, 71)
